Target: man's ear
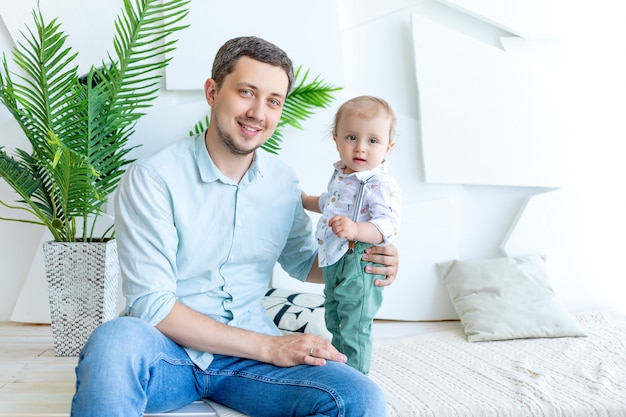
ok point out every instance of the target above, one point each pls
(210, 89)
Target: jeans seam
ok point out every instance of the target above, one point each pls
(261, 378)
(171, 361)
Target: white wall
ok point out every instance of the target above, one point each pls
(471, 189)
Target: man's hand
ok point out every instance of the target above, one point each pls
(296, 349)
(384, 255)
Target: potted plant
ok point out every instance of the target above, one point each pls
(78, 129)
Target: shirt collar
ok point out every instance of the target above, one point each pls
(256, 169)
(362, 175)
(209, 172)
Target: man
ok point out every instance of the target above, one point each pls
(200, 226)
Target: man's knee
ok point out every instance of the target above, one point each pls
(355, 394)
(118, 335)
(367, 400)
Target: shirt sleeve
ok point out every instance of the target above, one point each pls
(299, 253)
(147, 242)
(322, 201)
(385, 206)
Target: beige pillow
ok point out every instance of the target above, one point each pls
(506, 298)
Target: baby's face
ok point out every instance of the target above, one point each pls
(363, 142)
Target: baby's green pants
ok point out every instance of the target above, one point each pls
(352, 301)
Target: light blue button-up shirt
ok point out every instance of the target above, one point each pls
(186, 232)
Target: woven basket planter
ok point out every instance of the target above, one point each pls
(82, 287)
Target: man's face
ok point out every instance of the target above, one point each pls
(247, 107)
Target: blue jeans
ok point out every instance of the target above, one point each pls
(128, 367)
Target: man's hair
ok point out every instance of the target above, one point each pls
(252, 47)
(366, 106)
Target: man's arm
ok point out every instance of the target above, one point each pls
(194, 330)
(315, 276)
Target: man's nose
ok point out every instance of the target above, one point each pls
(255, 111)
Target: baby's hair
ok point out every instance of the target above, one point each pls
(366, 106)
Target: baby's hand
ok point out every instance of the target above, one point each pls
(343, 227)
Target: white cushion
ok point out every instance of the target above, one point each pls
(506, 298)
(294, 311)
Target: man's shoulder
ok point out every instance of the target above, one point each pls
(171, 154)
(274, 164)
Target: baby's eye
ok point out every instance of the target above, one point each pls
(351, 137)
(373, 140)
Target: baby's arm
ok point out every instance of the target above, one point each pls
(311, 202)
(344, 227)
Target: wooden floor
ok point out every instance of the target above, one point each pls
(33, 381)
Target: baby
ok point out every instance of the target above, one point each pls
(361, 208)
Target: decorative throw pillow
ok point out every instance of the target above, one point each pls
(296, 311)
(506, 298)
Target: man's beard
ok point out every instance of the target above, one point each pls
(227, 139)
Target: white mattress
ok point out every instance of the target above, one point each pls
(438, 373)
(429, 369)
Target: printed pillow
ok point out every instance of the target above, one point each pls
(506, 298)
(296, 311)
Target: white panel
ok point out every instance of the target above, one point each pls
(14, 15)
(359, 12)
(91, 37)
(297, 30)
(165, 123)
(532, 231)
(532, 19)
(32, 305)
(485, 116)
(373, 67)
(427, 235)
(545, 226)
